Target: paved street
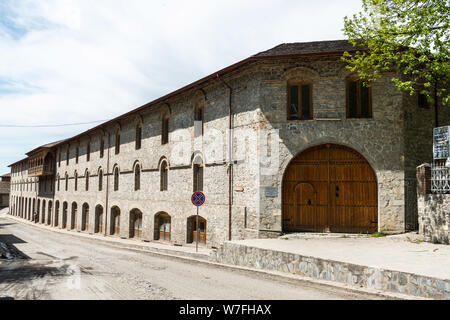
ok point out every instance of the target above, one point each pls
(61, 266)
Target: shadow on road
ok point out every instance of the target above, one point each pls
(8, 250)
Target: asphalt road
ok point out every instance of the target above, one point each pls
(59, 266)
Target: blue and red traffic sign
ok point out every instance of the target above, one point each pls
(198, 198)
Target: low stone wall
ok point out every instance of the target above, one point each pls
(355, 275)
(434, 217)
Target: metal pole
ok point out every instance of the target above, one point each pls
(196, 234)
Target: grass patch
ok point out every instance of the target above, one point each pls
(377, 234)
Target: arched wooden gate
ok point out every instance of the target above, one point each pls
(329, 188)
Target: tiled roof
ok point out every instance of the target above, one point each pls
(309, 47)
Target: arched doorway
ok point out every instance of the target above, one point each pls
(56, 213)
(135, 223)
(49, 215)
(115, 221)
(98, 219)
(64, 215)
(162, 226)
(330, 188)
(85, 218)
(192, 229)
(73, 221)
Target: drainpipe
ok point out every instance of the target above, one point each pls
(230, 160)
(107, 185)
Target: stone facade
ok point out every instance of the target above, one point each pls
(434, 217)
(390, 141)
(5, 187)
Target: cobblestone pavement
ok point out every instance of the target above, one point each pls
(59, 266)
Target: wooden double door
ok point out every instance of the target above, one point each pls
(201, 229)
(330, 188)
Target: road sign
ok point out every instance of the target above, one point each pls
(198, 198)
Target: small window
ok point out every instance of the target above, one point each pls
(100, 180)
(102, 146)
(77, 153)
(138, 137)
(59, 182)
(300, 101)
(163, 174)
(359, 99)
(88, 152)
(200, 117)
(76, 181)
(87, 181)
(198, 177)
(67, 155)
(67, 182)
(165, 131)
(422, 101)
(137, 178)
(117, 148)
(116, 179)
(59, 158)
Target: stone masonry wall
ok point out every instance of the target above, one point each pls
(434, 217)
(379, 140)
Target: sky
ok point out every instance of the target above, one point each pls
(78, 61)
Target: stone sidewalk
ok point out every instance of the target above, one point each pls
(398, 263)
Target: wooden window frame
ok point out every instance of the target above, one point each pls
(358, 98)
(299, 111)
(198, 177)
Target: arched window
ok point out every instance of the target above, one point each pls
(76, 181)
(137, 177)
(77, 153)
(116, 178)
(165, 130)
(138, 136)
(88, 151)
(87, 181)
(163, 173)
(117, 146)
(102, 146)
(198, 174)
(199, 113)
(100, 180)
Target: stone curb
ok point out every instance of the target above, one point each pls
(211, 259)
(359, 276)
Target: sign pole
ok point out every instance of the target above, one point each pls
(196, 234)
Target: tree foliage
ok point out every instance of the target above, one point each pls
(410, 37)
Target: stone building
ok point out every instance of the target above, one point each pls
(4, 190)
(286, 140)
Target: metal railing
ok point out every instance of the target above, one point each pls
(440, 178)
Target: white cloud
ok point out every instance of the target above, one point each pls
(73, 61)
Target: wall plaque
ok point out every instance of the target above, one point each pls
(271, 192)
(441, 143)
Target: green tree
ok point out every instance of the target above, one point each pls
(410, 37)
